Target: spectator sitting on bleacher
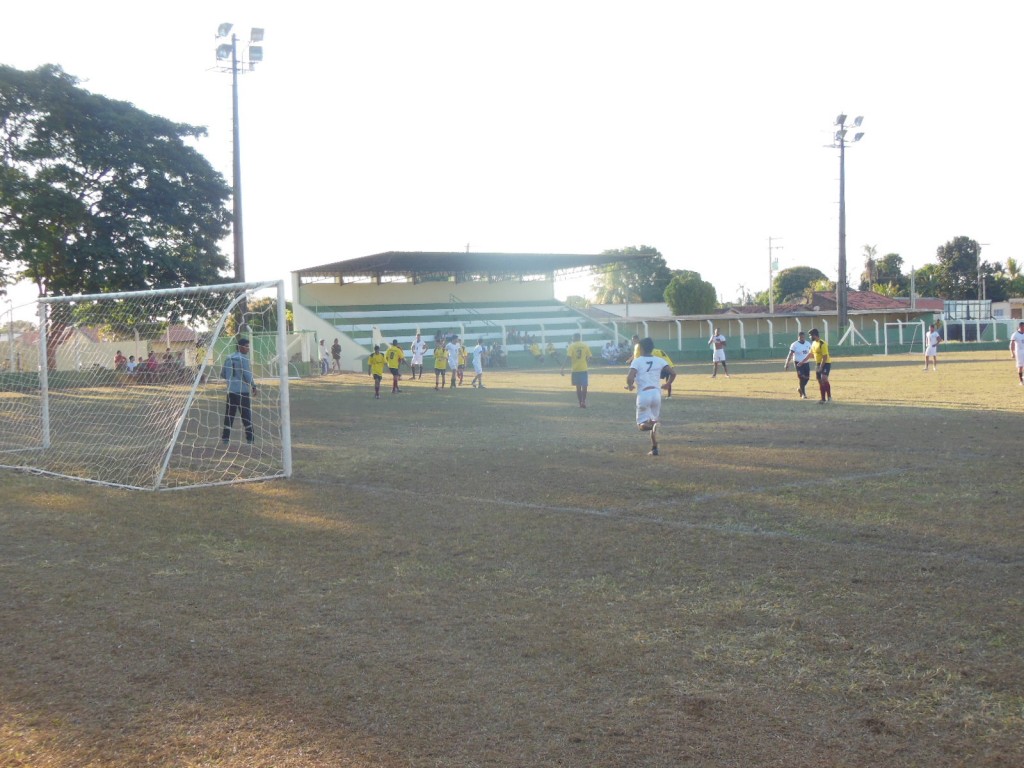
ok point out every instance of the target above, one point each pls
(497, 355)
(610, 353)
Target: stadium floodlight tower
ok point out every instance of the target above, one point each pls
(229, 61)
(840, 141)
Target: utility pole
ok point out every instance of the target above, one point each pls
(841, 141)
(773, 265)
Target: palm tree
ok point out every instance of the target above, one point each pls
(867, 277)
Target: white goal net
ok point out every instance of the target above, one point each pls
(906, 337)
(128, 389)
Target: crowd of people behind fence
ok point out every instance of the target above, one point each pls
(170, 365)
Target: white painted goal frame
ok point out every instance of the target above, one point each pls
(916, 331)
(172, 420)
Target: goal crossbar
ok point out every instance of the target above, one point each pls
(78, 407)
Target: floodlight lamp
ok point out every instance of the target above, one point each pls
(857, 121)
(256, 35)
(841, 119)
(224, 29)
(840, 135)
(255, 53)
(223, 52)
(858, 136)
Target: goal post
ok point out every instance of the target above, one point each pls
(126, 389)
(906, 337)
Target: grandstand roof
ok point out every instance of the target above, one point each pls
(435, 264)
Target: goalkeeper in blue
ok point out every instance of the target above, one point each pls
(238, 373)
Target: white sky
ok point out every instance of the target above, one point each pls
(577, 126)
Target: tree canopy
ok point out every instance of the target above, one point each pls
(97, 195)
(791, 284)
(641, 277)
(688, 294)
(957, 273)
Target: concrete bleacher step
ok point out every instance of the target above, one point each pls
(550, 321)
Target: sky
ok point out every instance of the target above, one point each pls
(566, 126)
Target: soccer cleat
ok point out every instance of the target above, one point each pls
(653, 452)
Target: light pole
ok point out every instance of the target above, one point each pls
(772, 266)
(841, 141)
(981, 281)
(10, 332)
(228, 52)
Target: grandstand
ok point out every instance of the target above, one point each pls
(395, 295)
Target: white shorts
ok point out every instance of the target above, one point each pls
(1020, 357)
(648, 405)
(417, 359)
(478, 367)
(931, 352)
(719, 356)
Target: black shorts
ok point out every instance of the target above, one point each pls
(823, 370)
(803, 370)
(394, 371)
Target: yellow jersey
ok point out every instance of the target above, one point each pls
(440, 359)
(661, 353)
(376, 363)
(394, 357)
(820, 351)
(578, 354)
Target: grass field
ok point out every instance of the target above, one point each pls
(500, 578)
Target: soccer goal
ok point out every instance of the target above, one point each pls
(126, 389)
(905, 337)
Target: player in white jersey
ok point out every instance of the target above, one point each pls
(800, 353)
(645, 375)
(717, 341)
(452, 348)
(932, 339)
(478, 352)
(417, 350)
(1017, 350)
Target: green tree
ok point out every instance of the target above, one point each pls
(261, 317)
(1014, 278)
(926, 280)
(97, 195)
(958, 268)
(889, 279)
(688, 294)
(867, 277)
(642, 276)
(791, 284)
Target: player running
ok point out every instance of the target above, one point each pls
(645, 375)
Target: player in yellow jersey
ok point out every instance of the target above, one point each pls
(578, 355)
(376, 363)
(394, 358)
(440, 364)
(668, 374)
(462, 361)
(823, 365)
